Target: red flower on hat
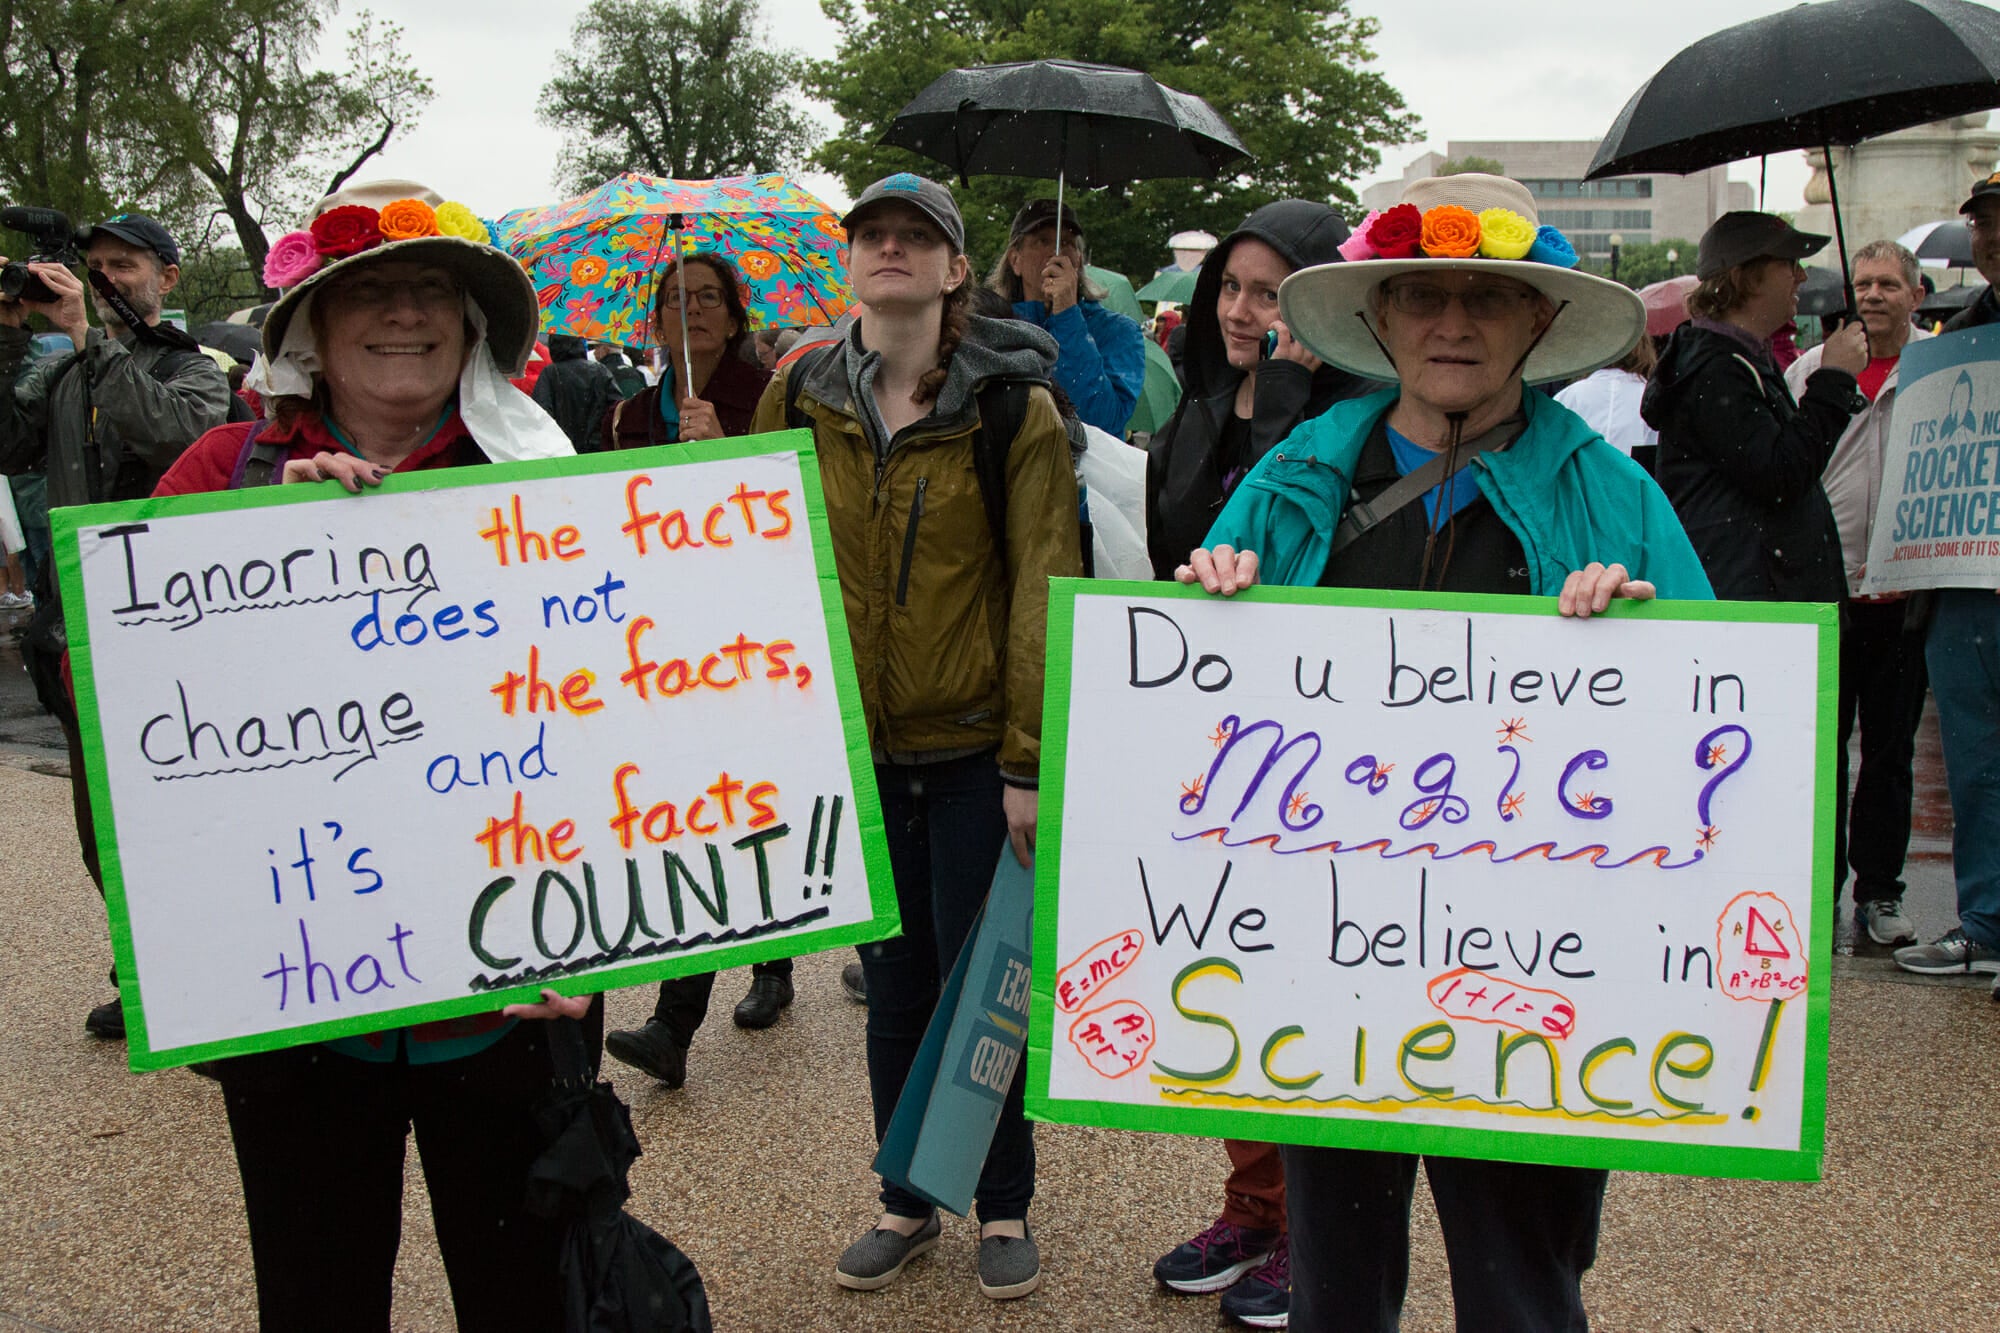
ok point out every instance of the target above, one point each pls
(347, 230)
(1397, 232)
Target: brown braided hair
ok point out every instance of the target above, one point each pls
(951, 331)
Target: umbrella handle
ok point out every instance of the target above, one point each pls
(678, 224)
(1839, 233)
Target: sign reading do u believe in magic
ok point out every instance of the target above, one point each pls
(371, 761)
(1438, 874)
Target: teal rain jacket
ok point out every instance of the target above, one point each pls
(1567, 495)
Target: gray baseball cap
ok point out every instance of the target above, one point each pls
(1739, 237)
(934, 201)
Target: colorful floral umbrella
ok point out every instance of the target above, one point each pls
(594, 258)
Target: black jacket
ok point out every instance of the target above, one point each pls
(1741, 461)
(576, 391)
(1185, 470)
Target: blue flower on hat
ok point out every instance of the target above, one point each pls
(904, 181)
(1551, 247)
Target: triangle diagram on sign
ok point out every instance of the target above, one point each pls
(1763, 941)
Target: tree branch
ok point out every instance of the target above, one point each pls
(381, 142)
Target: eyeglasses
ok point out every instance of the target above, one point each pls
(429, 293)
(708, 298)
(1422, 300)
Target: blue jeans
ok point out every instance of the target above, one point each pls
(945, 828)
(1963, 653)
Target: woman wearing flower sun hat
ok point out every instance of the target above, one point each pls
(389, 352)
(1456, 479)
(377, 254)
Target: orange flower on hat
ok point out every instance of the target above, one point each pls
(408, 220)
(588, 271)
(760, 264)
(1451, 232)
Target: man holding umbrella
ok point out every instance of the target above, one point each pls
(1962, 651)
(1881, 659)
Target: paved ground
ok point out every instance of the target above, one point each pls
(119, 1206)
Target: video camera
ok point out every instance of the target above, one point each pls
(54, 243)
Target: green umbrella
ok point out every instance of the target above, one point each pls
(1172, 285)
(1159, 395)
(1117, 292)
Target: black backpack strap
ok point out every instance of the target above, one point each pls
(795, 378)
(257, 464)
(1003, 406)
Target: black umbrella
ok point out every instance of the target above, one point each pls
(1092, 124)
(619, 1275)
(1811, 76)
(1950, 300)
(241, 341)
(1824, 293)
(1948, 241)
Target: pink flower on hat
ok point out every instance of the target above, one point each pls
(1356, 246)
(293, 258)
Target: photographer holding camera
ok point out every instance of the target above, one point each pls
(103, 421)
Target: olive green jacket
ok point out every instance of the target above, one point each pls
(949, 637)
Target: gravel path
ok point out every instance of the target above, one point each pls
(119, 1207)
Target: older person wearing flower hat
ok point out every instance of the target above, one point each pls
(1455, 480)
(389, 352)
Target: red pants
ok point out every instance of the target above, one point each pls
(1254, 1194)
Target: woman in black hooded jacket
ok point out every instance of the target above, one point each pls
(1240, 395)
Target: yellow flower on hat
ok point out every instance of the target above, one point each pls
(455, 219)
(1505, 234)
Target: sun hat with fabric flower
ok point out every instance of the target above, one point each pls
(1471, 222)
(395, 221)
(400, 221)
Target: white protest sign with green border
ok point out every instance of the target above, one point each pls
(1438, 874)
(360, 762)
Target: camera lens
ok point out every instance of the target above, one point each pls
(13, 278)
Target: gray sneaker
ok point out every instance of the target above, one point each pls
(879, 1257)
(1950, 954)
(1885, 923)
(1009, 1266)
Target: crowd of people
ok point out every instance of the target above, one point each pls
(1438, 400)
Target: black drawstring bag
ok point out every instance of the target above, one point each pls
(619, 1275)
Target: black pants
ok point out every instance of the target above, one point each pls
(683, 1002)
(319, 1143)
(1882, 683)
(1519, 1240)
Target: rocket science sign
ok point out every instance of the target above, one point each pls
(1937, 524)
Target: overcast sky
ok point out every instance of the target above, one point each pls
(1557, 69)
